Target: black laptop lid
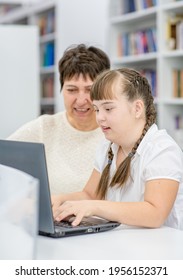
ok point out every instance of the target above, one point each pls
(30, 158)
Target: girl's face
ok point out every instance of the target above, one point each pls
(117, 117)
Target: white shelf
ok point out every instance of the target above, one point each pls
(172, 101)
(47, 101)
(10, 2)
(47, 38)
(172, 6)
(15, 15)
(135, 58)
(135, 16)
(173, 53)
(48, 69)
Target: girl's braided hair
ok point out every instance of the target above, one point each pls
(134, 86)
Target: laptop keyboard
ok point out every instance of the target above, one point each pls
(68, 224)
(63, 224)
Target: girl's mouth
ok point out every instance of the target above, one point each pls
(105, 128)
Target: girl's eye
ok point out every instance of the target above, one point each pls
(109, 109)
(95, 109)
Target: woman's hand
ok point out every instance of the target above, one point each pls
(78, 209)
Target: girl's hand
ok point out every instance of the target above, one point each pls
(78, 209)
(56, 201)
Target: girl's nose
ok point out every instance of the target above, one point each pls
(100, 117)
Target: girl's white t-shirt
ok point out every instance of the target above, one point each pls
(157, 157)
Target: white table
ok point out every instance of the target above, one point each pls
(118, 244)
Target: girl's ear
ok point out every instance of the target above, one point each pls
(139, 108)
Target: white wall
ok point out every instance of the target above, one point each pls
(80, 21)
(19, 77)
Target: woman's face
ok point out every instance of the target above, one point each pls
(78, 105)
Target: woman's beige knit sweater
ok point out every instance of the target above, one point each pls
(70, 152)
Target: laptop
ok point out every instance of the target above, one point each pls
(30, 158)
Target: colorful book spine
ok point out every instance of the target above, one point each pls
(48, 54)
(139, 42)
(177, 78)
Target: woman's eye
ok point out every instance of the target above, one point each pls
(88, 90)
(71, 90)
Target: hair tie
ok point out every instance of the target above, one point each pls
(131, 154)
(109, 161)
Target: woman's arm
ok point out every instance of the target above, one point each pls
(152, 212)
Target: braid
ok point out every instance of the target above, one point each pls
(104, 180)
(123, 172)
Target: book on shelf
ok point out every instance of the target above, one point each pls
(6, 8)
(121, 7)
(135, 43)
(46, 23)
(174, 32)
(179, 35)
(48, 54)
(177, 78)
(48, 87)
(179, 121)
(47, 109)
(151, 76)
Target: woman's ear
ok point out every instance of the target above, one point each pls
(139, 108)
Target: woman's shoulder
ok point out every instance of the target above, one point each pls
(51, 119)
(34, 129)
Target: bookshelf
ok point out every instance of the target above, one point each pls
(60, 26)
(148, 36)
(45, 19)
(42, 15)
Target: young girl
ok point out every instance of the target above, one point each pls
(138, 173)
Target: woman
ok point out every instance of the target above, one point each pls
(70, 137)
(138, 172)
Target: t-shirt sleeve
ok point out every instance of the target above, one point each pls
(101, 156)
(166, 162)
